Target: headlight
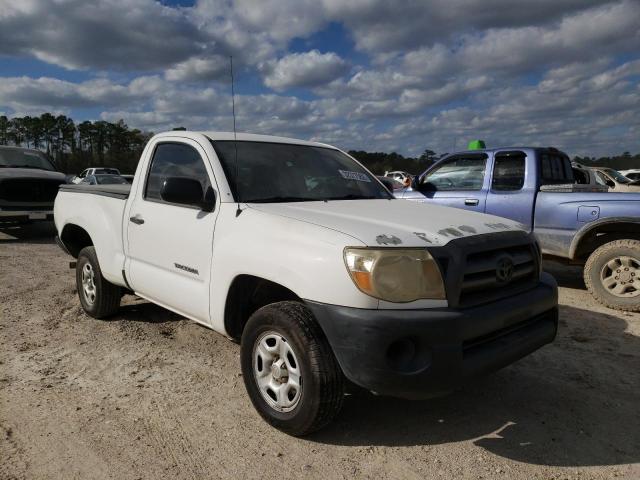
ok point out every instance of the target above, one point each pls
(395, 274)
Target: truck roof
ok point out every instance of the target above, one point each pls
(241, 136)
(495, 149)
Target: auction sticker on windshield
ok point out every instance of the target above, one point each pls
(359, 176)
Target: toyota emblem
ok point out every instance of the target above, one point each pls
(504, 270)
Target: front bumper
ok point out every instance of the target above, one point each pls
(422, 353)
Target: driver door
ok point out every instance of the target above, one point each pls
(170, 245)
(458, 181)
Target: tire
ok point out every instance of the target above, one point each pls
(98, 297)
(612, 275)
(319, 397)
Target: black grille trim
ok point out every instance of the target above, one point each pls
(29, 190)
(470, 267)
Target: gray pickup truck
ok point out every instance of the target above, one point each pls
(28, 185)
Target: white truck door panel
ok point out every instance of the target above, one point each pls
(170, 246)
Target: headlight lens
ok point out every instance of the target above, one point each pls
(395, 274)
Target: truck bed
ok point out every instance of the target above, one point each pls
(115, 191)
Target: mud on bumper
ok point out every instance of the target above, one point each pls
(421, 353)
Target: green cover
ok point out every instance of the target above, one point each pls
(476, 145)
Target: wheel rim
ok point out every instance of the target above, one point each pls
(88, 283)
(620, 276)
(277, 372)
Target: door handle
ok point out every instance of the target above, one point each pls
(137, 220)
(471, 201)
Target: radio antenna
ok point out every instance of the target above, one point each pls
(235, 135)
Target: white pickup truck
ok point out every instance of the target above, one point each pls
(298, 252)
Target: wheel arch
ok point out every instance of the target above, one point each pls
(595, 234)
(248, 293)
(75, 238)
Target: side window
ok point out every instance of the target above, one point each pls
(459, 173)
(174, 160)
(83, 174)
(556, 168)
(508, 172)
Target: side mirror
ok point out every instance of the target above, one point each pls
(209, 202)
(415, 182)
(184, 191)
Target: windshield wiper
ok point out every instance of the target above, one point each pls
(281, 200)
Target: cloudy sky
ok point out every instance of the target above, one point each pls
(400, 75)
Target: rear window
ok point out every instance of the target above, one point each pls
(555, 168)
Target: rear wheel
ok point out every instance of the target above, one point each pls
(612, 274)
(99, 297)
(289, 370)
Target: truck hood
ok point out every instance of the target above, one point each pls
(31, 173)
(392, 222)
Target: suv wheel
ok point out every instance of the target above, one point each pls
(289, 370)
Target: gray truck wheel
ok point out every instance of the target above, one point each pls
(612, 275)
(291, 375)
(99, 297)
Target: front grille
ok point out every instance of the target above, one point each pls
(29, 190)
(470, 267)
(481, 279)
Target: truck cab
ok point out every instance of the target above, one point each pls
(536, 188)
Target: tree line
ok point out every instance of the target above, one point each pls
(626, 161)
(76, 146)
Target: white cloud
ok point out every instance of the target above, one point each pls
(426, 74)
(199, 68)
(308, 69)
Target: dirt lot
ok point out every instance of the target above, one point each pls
(150, 395)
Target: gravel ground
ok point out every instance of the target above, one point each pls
(150, 395)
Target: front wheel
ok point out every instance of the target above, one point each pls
(99, 297)
(291, 375)
(612, 274)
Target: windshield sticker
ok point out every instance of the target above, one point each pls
(358, 176)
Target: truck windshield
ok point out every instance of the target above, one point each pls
(280, 172)
(18, 158)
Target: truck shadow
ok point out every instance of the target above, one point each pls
(572, 403)
(137, 309)
(38, 232)
(568, 276)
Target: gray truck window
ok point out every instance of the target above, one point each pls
(508, 172)
(174, 160)
(555, 168)
(459, 173)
